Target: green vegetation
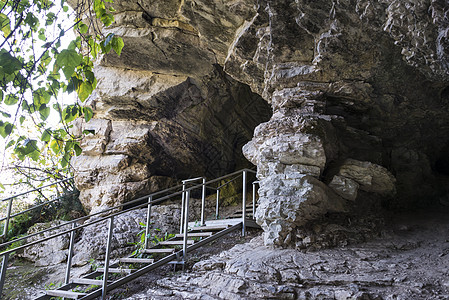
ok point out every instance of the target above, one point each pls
(39, 66)
(155, 239)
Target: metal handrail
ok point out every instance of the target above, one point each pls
(36, 189)
(12, 198)
(37, 206)
(149, 203)
(157, 201)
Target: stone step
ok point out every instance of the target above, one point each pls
(132, 260)
(181, 242)
(117, 270)
(87, 281)
(152, 250)
(65, 294)
(195, 234)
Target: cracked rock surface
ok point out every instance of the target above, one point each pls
(358, 89)
(408, 261)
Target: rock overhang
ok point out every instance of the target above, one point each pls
(353, 85)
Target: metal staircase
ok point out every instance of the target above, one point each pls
(174, 250)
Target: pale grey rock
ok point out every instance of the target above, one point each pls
(47, 253)
(375, 269)
(92, 239)
(370, 177)
(345, 187)
(363, 80)
(286, 203)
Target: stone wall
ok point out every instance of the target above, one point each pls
(357, 88)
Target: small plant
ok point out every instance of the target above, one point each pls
(93, 264)
(155, 239)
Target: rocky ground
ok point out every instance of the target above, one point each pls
(409, 260)
(405, 256)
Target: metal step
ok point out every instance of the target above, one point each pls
(117, 270)
(65, 294)
(133, 260)
(165, 243)
(211, 227)
(87, 281)
(152, 250)
(194, 234)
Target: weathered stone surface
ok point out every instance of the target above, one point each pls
(47, 253)
(160, 125)
(370, 177)
(406, 263)
(93, 239)
(348, 81)
(285, 203)
(345, 187)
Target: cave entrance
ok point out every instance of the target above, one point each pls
(442, 161)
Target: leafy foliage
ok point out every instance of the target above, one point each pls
(36, 70)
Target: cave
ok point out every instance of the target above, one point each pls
(337, 111)
(442, 161)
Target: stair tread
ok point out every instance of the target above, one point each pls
(66, 294)
(152, 250)
(181, 242)
(136, 260)
(116, 270)
(87, 281)
(210, 227)
(194, 234)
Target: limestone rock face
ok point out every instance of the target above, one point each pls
(47, 254)
(358, 92)
(150, 130)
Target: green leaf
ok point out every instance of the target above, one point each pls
(2, 186)
(77, 149)
(5, 128)
(50, 18)
(85, 90)
(29, 148)
(11, 143)
(32, 21)
(108, 39)
(65, 159)
(117, 45)
(46, 135)
(83, 28)
(65, 8)
(1, 96)
(41, 34)
(21, 119)
(68, 60)
(55, 145)
(5, 25)
(8, 63)
(11, 99)
(5, 114)
(44, 111)
(88, 113)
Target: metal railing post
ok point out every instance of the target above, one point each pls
(203, 201)
(244, 204)
(182, 207)
(106, 259)
(147, 229)
(70, 254)
(8, 216)
(254, 198)
(216, 205)
(3, 272)
(186, 225)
